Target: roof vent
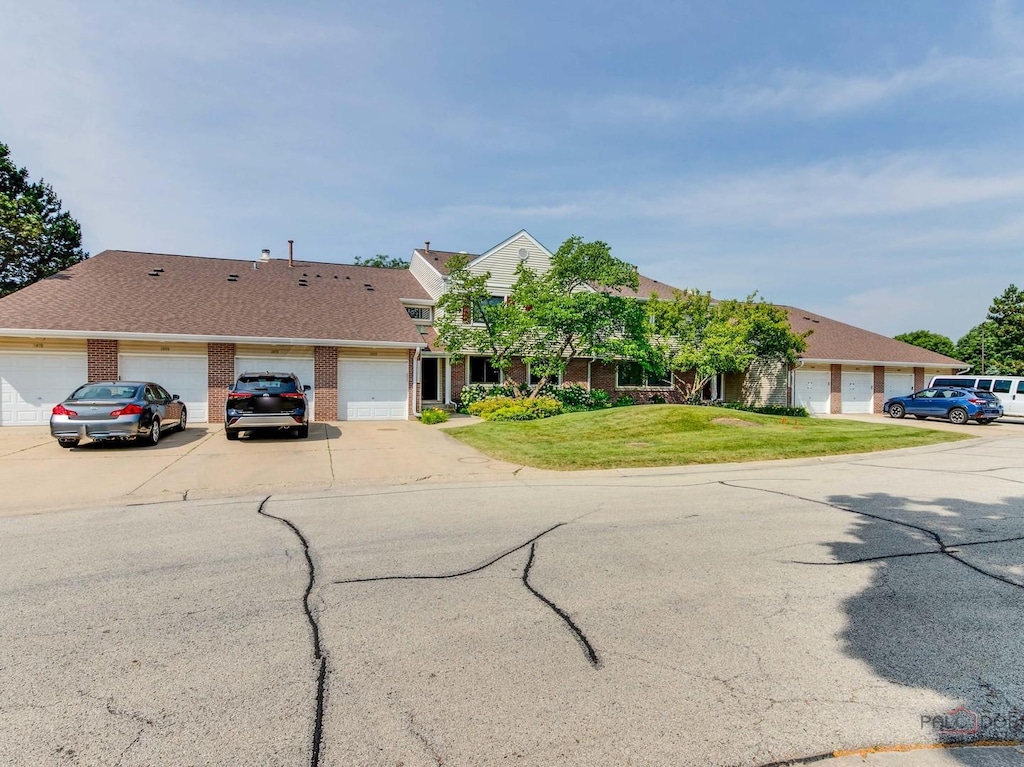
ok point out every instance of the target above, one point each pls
(303, 283)
(523, 254)
(159, 269)
(154, 273)
(265, 255)
(368, 286)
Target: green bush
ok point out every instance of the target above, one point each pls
(433, 415)
(624, 400)
(793, 412)
(576, 398)
(512, 409)
(658, 399)
(478, 392)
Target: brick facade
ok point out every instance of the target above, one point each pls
(878, 397)
(918, 379)
(325, 382)
(101, 359)
(458, 377)
(836, 400)
(220, 376)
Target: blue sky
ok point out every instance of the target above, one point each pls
(861, 160)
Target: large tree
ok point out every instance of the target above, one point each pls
(383, 261)
(574, 309)
(1007, 315)
(977, 347)
(926, 339)
(37, 238)
(696, 333)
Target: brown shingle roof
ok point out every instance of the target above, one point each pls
(439, 258)
(833, 340)
(114, 292)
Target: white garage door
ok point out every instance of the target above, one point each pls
(858, 392)
(898, 384)
(373, 390)
(301, 366)
(812, 390)
(32, 384)
(184, 376)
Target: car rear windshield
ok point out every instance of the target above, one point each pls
(984, 395)
(105, 391)
(271, 384)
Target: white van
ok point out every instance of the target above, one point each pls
(1009, 389)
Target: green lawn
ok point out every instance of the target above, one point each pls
(673, 435)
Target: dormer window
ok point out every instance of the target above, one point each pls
(420, 313)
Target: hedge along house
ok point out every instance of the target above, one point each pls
(360, 336)
(192, 324)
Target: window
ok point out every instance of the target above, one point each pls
(632, 374)
(1020, 387)
(985, 383)
(1001, 386)
(423, 313)
(482, 306)
(553, 380)
(481, 371)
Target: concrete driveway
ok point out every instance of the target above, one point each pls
(716, 616)
(37, 474)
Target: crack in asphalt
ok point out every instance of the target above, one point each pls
(947, 550)
(330, 453)
(318, 654)
(577, 632)
(980, 472)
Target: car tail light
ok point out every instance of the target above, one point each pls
(61, 410)
(292, 395)
(132, 409)
(976, 401)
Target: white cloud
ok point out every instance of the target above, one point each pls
(801, 94)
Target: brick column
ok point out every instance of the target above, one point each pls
(836, 398)
(878, 399)
(325, 382)
(918, 379)
(220, 376)
(458, 377)
(101, 359)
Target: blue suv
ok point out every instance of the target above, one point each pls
(958, 405)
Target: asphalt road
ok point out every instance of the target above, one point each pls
(731, 615)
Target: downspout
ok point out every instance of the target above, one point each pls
(448, 380)
(792, 383)
(590, 362)
(415, 380)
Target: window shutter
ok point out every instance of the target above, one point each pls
(466, 314)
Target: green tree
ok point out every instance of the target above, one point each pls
(977, 346)
(710, 337)
(1007, 314)
(384, 261)
(926, 339)
(37, 238)
(574, 309)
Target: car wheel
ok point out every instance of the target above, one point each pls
(231, 434)
(154, 433)
(896, 410)
(184, 420)
(958, 416)
(67, 442)
(302, 432)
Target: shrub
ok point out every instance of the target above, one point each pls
(576, 398)
(433, 415)
(792, 412)
(657, 399)
(624, 400)
(512, 409)
(479, 392)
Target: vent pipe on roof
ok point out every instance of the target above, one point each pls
(291, 252)
(265, 255)
(427, 243)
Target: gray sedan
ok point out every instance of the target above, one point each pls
(125, 410)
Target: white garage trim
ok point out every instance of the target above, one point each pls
(812, 389)
(31, 384)
(858, 392)
(373, 390)
(302, 367)
(184, 375)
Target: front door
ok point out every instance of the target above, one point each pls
(428, 379)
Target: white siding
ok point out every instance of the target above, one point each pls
(766, 383)
(427, 275)
(502, 261)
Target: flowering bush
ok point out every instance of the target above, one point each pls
(512, 409)
(433, 415)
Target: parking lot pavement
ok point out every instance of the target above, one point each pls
(727, 616)
(37, 474)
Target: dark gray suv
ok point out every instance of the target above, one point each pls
(267, 401)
